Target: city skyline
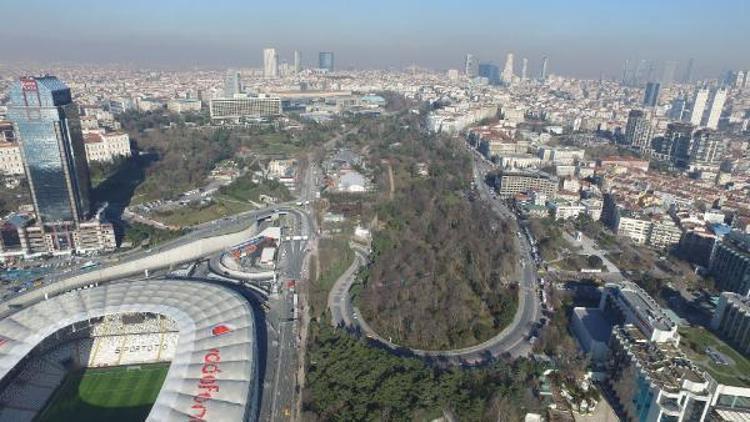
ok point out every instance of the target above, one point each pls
(587, 39)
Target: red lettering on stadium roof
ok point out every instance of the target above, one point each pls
(221, 329)
(207, 385)
(28, 84)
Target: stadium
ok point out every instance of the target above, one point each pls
(145, 350)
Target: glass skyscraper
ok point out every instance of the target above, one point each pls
(325, 60)
(53, 151)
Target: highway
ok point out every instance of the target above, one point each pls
(513, 340)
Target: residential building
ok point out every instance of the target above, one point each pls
(11, 161)
(699, 106)
(561, 154)
(105, 147)
(674, 145)
(184, 105)
(510, 183)
(711, 121)
(638, 130)
(706, 150)
(730, 263)
(732, 321)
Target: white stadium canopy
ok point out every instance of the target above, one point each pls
(213, 376)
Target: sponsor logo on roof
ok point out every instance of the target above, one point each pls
(221, 329)
(28, 84)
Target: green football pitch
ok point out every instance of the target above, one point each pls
(119, 394)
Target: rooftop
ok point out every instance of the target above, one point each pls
(664, 363)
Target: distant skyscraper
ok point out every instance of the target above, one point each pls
(53, 150)
(717, 106)
(667, 77)
(651, 97)
(739, 79)
(545, 68)
(232, 84)
(297, 61)
(626, 72)
(638, 130)
(325, 60)
(470, 66)
(524, 68)
(688, 76)
(640, 72)
(699, 106)
(270, 63)
(490, 71)
(508, 69)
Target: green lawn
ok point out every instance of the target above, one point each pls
(106, 394)
(190, 216)
(695, 340)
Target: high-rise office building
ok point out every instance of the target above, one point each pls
(508, 69)
(638, 130)
(297, 61)
(687, 77)
(626, 74)
(651, 96)
(545, 68)
(232, 84)
(325, 60)
(524, 68)
(470, 66)
(270, 63)
(52, 143)
(54, 155)
(641, 71)
(717, 106)
(667, 77)
(699, 106)
(490, 71)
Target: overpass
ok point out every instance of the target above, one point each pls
(191, 248)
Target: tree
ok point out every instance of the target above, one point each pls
(594, 261)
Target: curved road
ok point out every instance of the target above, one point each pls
(512, 340)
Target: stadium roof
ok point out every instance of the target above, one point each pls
(213, 375)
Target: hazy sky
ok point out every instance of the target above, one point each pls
(581, 37)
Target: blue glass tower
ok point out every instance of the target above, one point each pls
(54, 155)
(325, 60)
(490, 71)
